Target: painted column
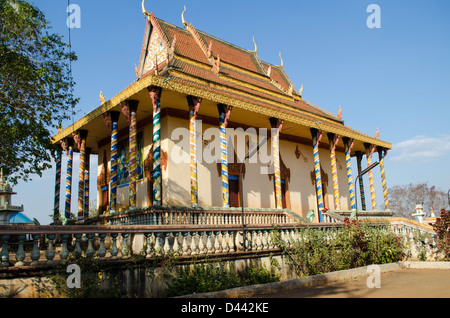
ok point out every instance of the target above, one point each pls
(194, 106)
(114, 115)
(348, 149)
(69, 143)
(382, 154)
(369, 151)
(155, 95)
(361, 183)
(132, 106)
(224, 115)
(57, 185)
(86, 182)
(82, 148)
(334, 139)
(317, 136)
(276, 125)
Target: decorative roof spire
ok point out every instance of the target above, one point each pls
(256, 47)
(300, 92)
(281, 60)
(102, 97)
(182, 17)
(340, 112)
(145, 12)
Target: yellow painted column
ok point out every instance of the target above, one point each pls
(348, 149)
(82, 167)
(132, 113)
(382, 154)
(334, 139)
(276, 125)
(194, 106)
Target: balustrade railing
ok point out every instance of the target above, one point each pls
(40, 245)
(194, 216)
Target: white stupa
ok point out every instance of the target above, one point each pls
(419, 214)
(10, 213)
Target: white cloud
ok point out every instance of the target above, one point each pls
(421, 148)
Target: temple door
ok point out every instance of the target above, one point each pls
(283, 193)
(233, 186)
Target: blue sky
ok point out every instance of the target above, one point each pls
(394, 78)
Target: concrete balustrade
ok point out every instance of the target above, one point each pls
(194, 216)
(28, 245)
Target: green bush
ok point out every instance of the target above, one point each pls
(208, 277)
(356, 244)
(442, 228)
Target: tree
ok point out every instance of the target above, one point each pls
(403, 199)
(35, 89)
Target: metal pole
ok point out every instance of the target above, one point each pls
(358, 178)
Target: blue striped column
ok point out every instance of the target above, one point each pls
(316, 137)
(68, 198)
(114, 131)
(86, 182)
(155, 95)
(348, 149)
(57, 185)
(224, 115)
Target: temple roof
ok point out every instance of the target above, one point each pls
(190, 61)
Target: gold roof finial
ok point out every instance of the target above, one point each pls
(281, 60)
(182, 17)
(301, 90)
(145, 12)
(102, 97)
(256, 47)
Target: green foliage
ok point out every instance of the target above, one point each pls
(208, 277)
(96, 280)
(35, 89)
(442, 228)
(357, 244)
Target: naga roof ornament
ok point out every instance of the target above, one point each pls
(145, 12)
(182, 17)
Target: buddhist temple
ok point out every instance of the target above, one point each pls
(208, 124)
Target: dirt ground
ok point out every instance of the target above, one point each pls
(405, 283)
